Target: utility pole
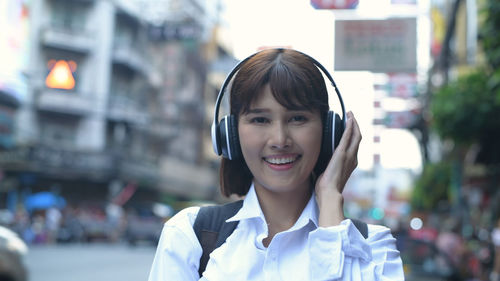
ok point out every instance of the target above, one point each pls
(440, 68)
(445, 56)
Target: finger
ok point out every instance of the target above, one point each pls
(356, 137)
(340, 153)
(346, 136)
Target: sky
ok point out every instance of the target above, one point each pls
(296, 24)
(291, 23)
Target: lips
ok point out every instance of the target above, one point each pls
(281, 160)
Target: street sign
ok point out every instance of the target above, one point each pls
(401, 119)
(402, 85)
(404, 2)
(334, 4)
(388, 45)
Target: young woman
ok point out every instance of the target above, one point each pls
(291, 225)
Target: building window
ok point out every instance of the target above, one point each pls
(58, 131)
(68, 15)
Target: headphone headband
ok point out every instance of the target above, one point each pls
(238, 66)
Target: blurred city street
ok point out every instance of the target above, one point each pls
(83, 262)
(106, 109)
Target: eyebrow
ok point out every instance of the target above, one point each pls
(257, 110)
(264, 110)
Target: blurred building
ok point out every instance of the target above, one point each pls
(115, 103)
(13, 45)
(186, 49)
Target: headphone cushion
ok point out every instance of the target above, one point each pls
(327, 148)
(222, 137)
(234, 140)
(332, 133)
(228, 140)
(339, 130)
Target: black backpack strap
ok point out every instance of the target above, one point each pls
(212, 230)
(361, 226)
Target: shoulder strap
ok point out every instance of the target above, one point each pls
(212, 230)
(361, 226)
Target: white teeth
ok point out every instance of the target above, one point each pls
(280, 160)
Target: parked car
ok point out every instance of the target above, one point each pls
(423, 261)
(143, 226)
(12, 252)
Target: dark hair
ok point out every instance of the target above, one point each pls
(295, 83)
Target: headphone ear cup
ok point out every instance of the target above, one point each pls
(234, 139)
(339, 130)
(328, 127)
(222, 132)
(216, 138)
(229, 140)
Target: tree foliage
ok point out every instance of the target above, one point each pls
(467, 110)
(432, 186)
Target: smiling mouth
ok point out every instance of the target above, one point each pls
(281, 160)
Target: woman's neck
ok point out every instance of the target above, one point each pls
(282, 209)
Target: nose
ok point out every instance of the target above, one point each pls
(280, 137)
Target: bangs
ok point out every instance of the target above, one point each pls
(293, 90)
(295, 83)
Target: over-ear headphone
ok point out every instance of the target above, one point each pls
(225, 138)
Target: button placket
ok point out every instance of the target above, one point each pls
(273, 258)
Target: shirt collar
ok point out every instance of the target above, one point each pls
(251, 209)
(310, 213)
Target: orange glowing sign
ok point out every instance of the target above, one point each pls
(61, 75)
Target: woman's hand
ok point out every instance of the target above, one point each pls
(331, 183)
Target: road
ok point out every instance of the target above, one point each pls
(83, 262)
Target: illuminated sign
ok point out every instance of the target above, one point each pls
(334, 4)
(61, 75)
(388, 45)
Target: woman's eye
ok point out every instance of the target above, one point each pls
(258, 120)
(298, 118)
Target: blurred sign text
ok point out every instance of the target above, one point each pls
(376, 45)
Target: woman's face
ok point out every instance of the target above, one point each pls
(280, 146)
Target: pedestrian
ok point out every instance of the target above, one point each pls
(495, 237)
(277, 154)
(450, 242)
(53, 218)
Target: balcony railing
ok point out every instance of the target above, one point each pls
(72, 164)
(124, 108)
(72, 39)
(69, 102)
(131, 56)
(57, 162)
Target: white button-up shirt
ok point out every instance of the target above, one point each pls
(303, 252)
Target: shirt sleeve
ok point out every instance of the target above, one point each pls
(178, 253)
(341, 252)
